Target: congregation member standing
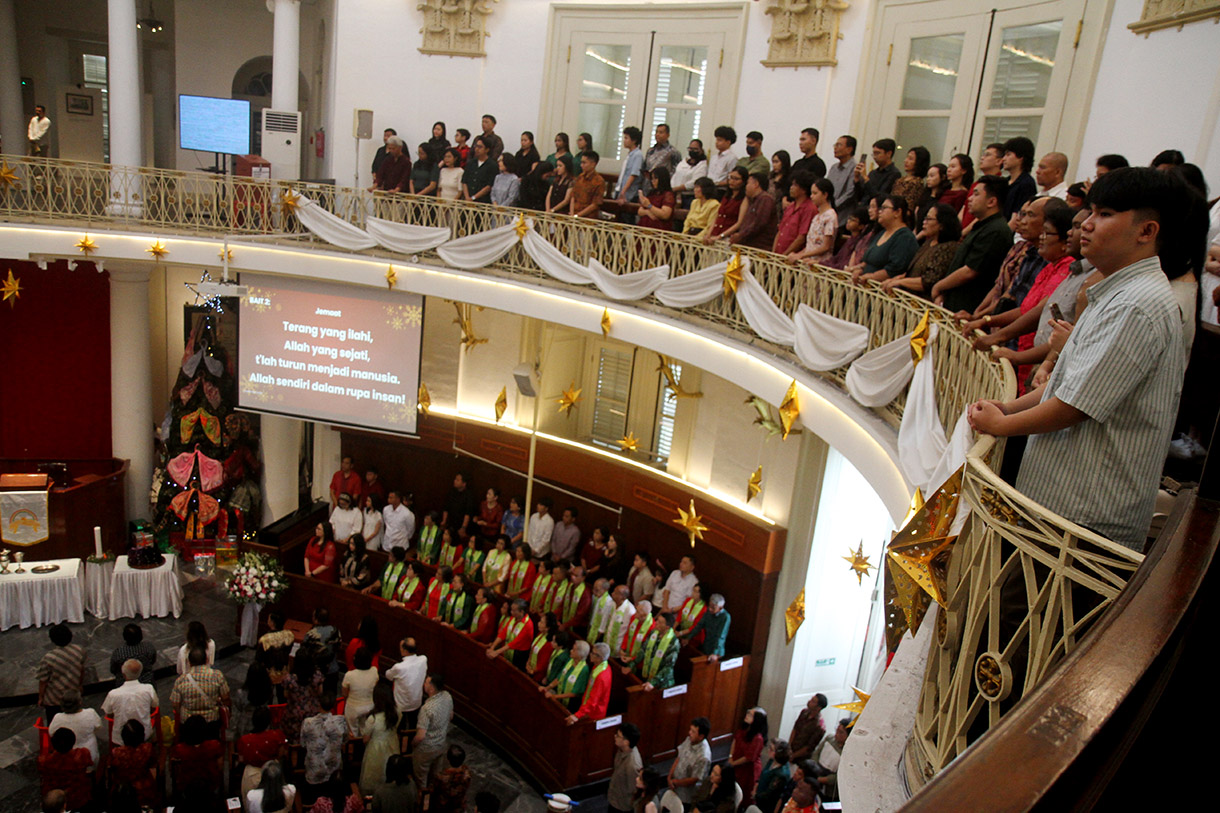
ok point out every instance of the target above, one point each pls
(460, 507)
(693, 761)
(722, 162)
(661, 154)
(133, 646)
(809, 160)
(842, 175)
(678, 586)
(432, 729)
(408, 677)
(627, 765)
(758, 227)
(495, 144)
(480, 174)
(565, 537)
(630, 179)
(133, 700)
(977, 261)
(36, 132)
(60, 672)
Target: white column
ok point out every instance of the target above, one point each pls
(285, 53)
(131, 412)
(281, 442)
(12, 119)
(123, 68)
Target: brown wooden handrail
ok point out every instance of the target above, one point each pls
(1119, 671)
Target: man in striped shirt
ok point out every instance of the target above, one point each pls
(1101, 424)
(61, 671)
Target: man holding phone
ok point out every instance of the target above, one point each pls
(881, 180)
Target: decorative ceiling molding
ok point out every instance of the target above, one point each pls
(455, 27)
(803, 32)
(1158, 14)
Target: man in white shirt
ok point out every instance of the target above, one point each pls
(678, 586)
(399, 522)
(693, 167)
(541, 525)
(619, 619)
(1051, 173)
(346, 519)
(408, 676)
(131, 701)
(37, 131)
(721, 163)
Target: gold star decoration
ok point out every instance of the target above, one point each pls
(157, 249)
(10, 289)
(391, 277)
(856, 706)
(501, 403)
(794, 616)
(789, 409)
(732, 275)
(859, 562)
(424, 399)
(568, 400)
(605, 323)
(692, 523)
(522, 228)
(221, 254)
(753, 487)
(919, 338)
(465, 322)
(86, 245)
(916, 504)
(629, 442)
(288, 203)
(8, 178)
(666, 369)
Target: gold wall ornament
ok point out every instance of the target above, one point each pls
(732, 275)
(789, 409)
(391, 277)
(629, 442)
(905, 605)
(522, 228)
(803, 32)
(288, 203)
(916, 504)
(465, 322)
(10, 289)
(86, 245)
(605, 322)
(157, 249)
(859, 562)
(754, 484)
(221, 254)
(666, 369)
(692, 523)
(454, 27)
(923, 546)
(1159, 14)
(919, 338)
(501, 403)
(794, 616)
(856, 706)
(424, 399)
(8, 178)
(567, 401)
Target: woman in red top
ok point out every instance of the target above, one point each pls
(320, 555)
(593, 552)
(960, 174)
(133, 763)
(410, 590)
(258, 747)
(746, 756)
(521, 574)
(368, 635)
(483, 622)
(732, 209)
(198, 757)
(657, 210)
(491, 515)
(542, 647)
(438, 588)
(66, 767)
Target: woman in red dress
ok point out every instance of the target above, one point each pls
(657, 210)
(491, 515)
(410, 590)
(320, 555)
(746, 756)
(732, 208)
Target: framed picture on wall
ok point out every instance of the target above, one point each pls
(79, 103)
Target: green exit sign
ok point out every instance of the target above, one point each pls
(824, 662)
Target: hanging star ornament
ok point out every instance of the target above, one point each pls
(8, 178)
(86, 245)
(859, 562)
(522, 228)
(629, 442)
(391, 277)
(856, 706)
(732, 275)
(567, 401)
(692, 523)
(224, 254)
(501, 403)
(289, 203)
(10, 289)
(424, 399)
(157, 249)
(794, 616)
(754, 486)
(789, 409)
(916, 504)
(605, 323)
(919, 338)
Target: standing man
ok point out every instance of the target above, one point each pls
(754, 160)
(479, 174)
(1051, 174)
(381, 151)
(346, 518)
(432, 729)
(627, 764)
(798, 214)
(460, 505)
(37, 131)
(574, 610)
(541, 526)
(133, 646)
(715, 626)
(693, 762)
(881, 180)
(660, 654)
(345, 480)
(678, 586)
(977, 261)
(620, 619)
(61, 671)
(589, 188)
(1100, 426)
(518, 636)
(809, 160)
(495, 144)
(991, 162)
(721, 163)
(841, 175)
(600, 612)
(131, 701)
(322, 736)
(399, 522)
(1018, 161)
(395, 171)
(202, 690)
(408, 676)
(809, 729)
(660, 154)
(629, 179)
(759, 226)
(565, 537)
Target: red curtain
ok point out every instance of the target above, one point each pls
(55, 363)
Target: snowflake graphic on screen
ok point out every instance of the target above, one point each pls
(397, 413)
(258, 391)
(401, 317)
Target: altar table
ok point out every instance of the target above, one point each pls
(35, 599)
(145, 593)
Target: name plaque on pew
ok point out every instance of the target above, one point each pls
(607, 722)
(732, 663)
(674, 691)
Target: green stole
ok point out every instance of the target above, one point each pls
(535, 649)
(478, 614)
(516, 575)
(455, 607)
(449, 555)
(406, 588)
(570, 676)
(474, 563)
(494, 564)
(601, 667)
(559, 597)
(572, 602)
(389, 579)
(541, 584)
(690, 611)
(510, 635)
(427, 544)
(598, 616)
(614, 632)
(654, 653)
(632, 646)
(443, 588)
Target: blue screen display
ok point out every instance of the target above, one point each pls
(214, 125)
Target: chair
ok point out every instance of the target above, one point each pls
(737, 794)
(277, 714)
(44, 737)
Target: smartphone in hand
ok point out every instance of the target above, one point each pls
(1056, 312)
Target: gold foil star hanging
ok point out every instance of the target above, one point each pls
(674, 386)
(157, 249)
(501, 403)
(629, 442)
(288, 203)
(905, 605)
(568, 400)
(794, 616)
(732, 275)
(391, 277)
(919, 338)
(522, 228)
(605, 323)
(789, 409)
(753, 487)
(222, 254)
(10, 289)
(859, 562)
(465, 323)
(856, 706)
(424, 399)
(8, 178)
(916, 504)
(691, 523)
(86, 245)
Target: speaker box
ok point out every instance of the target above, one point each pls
(524, 376)
(363, 125)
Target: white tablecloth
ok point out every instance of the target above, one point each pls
(145, 593)
(98, 578)
(34, 599)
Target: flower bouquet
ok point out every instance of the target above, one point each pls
(257, 579)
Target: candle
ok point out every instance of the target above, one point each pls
(97, 540)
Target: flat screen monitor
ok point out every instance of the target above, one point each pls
(323, 351)
(210, 124)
